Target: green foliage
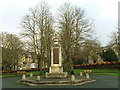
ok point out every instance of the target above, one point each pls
(77, 61)
(109, 55)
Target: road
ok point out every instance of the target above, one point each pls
(102, 81)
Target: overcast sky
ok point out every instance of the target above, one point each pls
(103, 12)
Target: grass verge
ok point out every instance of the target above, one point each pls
(35, 73)
(114, 72)
(7, 75)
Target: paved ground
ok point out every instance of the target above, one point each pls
(102, 81)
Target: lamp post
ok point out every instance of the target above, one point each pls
(104, 50)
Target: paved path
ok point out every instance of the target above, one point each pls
(102, 81)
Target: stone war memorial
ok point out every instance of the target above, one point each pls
(56, 69)
(56, 76)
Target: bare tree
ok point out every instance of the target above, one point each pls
(114, 43)
(37, 26)
(11, 49)
(74, 29)
(119, 41)
(90, 48)
(66, 21)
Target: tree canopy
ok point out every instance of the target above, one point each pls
(109, 55)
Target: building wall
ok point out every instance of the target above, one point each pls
(28, 62)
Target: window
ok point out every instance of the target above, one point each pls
(23, 65)
(29, 60)
(29, 66)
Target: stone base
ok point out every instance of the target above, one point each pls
(55, 69)
(56, 75)
(55, 82)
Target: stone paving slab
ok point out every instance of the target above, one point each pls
(42, 78)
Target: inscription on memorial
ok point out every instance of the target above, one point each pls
(56, 56)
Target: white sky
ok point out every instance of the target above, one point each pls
(103, 12)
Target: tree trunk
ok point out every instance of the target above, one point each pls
(41, 64)
(4, 67)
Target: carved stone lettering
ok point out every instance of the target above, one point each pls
(56, 56)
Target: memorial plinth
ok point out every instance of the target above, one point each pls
(56, 69)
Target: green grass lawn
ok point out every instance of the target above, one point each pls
(115, 72)
(35, 73)
(7, 75)
(10, 74)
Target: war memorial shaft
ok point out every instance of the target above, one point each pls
(56, 56)
(56, 69)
